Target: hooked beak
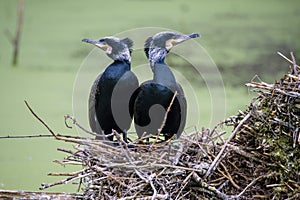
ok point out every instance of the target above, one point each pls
(183, 38)
(89, 41)
(95, 42)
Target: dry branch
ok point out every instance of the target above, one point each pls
(19, 194)
(15, 40)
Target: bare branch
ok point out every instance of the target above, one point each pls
(19, 31)
(40, 120)
(74, 121)
(216, 161)
(165, 118)
(19, 194)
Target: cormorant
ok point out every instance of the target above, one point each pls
(153, 97)
(109, 101)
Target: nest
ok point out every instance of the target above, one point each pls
(259, 159)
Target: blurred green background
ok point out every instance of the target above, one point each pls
(242, 37)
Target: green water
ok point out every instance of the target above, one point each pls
(242, 37)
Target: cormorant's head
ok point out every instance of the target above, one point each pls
(157, 46)
(115, 48)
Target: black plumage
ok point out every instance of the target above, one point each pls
(153, 97)
(109, 102)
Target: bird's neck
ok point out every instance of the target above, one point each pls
(123, 55)
(157, 55)
(125, 63)
(163, 74)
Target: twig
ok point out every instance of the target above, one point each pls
(67, 162)
(152, 186)
(295, 67)
(19, 31)
(67, 174)
(66, 139)
(65, 151)
(79, 185)
(126, 153)
(178, 154)
(252, 183)
(286, 58)
(272, 88)
(164, 189)
(208, 187)
(247, 155)
(165, 118)
(109, 175)
(228, 176)
(38, 118)
(38, 136)
(294, 64)
(65, 181)
(19, 194)
(24, 136)
(214, 164)
(74, 121)
(294, 77)
(158, 196)
(184, 184)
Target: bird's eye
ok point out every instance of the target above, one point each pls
(102, 40)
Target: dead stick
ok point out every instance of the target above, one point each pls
(21, 194)
(295, 67)
(66, 139)
(216, 161)
(165, 118)
(67, 174)
(24, 136)
(286, 58)
(66, 181)
(252, 183)
(152, 186)
(184, 184)
(127, 154)
(294, 64)
(227, 175)
(109, 175)
(19, 30)
(38, 136)
(74, 121)
(38, 118)
(208, 187)
(272, 88)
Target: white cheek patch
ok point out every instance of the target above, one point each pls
(169, 44)
(108, 49)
